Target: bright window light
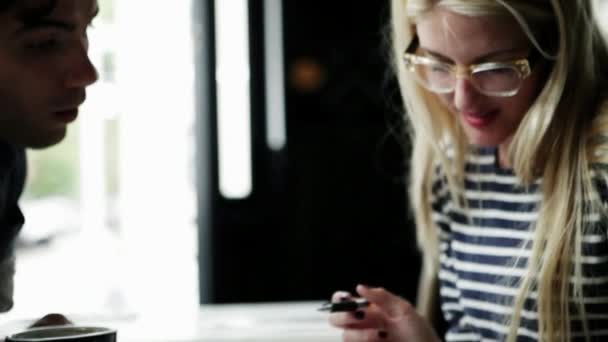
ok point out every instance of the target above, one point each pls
(233, 98)
(110, 228)
(275, 81)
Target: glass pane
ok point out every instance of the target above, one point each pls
(110, 211)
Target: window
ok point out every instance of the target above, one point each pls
(110, 211)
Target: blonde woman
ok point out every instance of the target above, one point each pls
(509, 173)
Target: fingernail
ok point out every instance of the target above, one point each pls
(360, 315)
(382, 334)
(341, 294)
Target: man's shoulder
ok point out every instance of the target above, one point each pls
(12, 181)
(12, 169)
(7, 272)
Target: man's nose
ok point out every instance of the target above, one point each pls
(80, 72)
(465, 94)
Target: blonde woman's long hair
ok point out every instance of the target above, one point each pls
(561, 138)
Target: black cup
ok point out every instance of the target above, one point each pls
(65, 333)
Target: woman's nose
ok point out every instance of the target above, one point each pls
(81, 72)
(465, 94)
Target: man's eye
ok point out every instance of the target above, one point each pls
(43, 45)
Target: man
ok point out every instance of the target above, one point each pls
(44, 70)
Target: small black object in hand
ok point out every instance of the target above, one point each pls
(345, 306)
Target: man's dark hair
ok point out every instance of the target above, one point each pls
(28, 11)
(6, 4)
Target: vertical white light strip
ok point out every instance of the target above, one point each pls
(233, 98)
(276, 137)
(601, 11)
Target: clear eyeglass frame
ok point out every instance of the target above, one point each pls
(471, 72)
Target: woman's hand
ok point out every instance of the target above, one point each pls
(388, 318)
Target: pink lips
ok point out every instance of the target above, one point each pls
(66, 116)
(479, 120)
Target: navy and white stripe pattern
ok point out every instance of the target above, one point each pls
(483, 255)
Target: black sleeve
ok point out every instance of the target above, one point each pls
(12, 180)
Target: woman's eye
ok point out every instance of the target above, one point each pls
(499, 71)
(439, 70)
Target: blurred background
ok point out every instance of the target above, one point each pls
(231, 152)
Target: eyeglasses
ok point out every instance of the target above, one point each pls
(501, 79)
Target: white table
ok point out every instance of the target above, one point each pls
(297, 322)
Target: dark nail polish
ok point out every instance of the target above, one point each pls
(359, 315)
(382, 334)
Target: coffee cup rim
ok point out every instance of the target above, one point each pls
(98, 331)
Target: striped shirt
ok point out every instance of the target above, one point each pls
(483, 254)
